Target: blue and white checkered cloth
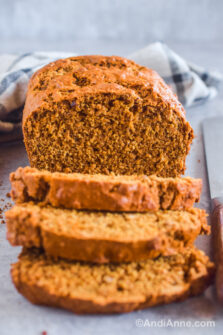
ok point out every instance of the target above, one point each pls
(192, 84)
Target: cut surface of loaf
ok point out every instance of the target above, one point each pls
(101, 236)
(98, 114)
(91, 288)
(103, 192)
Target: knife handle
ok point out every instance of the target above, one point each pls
(217, 243)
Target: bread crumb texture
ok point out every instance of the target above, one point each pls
(97, 114)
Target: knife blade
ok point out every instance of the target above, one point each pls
(213, 143)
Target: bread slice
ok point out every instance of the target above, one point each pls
(102, 192)
(91, 288)
(101, 236)
(98, 114)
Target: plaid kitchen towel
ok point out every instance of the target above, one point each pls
(191, 83)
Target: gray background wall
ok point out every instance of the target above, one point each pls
(80, 25)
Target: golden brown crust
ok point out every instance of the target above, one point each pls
(104, 237)
(119, 70)
(184, 277)
(101, 192)
(96, 114)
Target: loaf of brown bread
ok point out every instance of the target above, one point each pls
(101, 236)
(90, 288)
(102, 192)
(97, 114)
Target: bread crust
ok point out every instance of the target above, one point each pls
(64, 86)
(101, 192)
(39, 294)
(158, 86)
(32, 226)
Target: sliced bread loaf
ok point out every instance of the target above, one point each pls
(98, 114)
(101, 192)
(102, 236)
(90, 288)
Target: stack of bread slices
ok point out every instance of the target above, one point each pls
(103, 243)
